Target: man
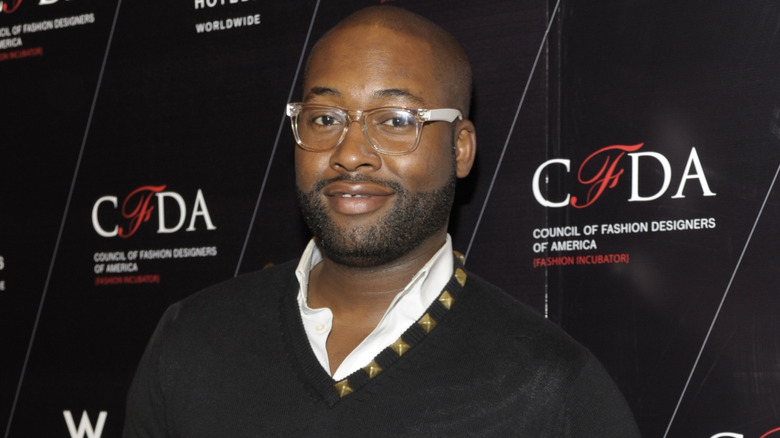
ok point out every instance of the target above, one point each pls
(378, 329)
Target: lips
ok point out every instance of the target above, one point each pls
(355, 198)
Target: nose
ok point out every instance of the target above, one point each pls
(355, 154)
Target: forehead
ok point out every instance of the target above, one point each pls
(363, 61)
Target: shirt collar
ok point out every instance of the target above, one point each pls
(439, 268)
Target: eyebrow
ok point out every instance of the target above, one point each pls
(407, 95)
(400, 92)
(321, 91)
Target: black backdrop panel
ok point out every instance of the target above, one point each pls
(687, 326)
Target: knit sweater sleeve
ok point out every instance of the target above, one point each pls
(595, 407)
(145, 414)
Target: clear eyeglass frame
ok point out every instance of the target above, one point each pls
(419, 115)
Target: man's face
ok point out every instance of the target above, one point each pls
(366, 208)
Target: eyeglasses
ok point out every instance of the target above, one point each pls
(389, 130)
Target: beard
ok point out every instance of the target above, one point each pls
(413, 218)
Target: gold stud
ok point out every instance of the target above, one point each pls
(460, 275)
(343, 388)
(446, 300)
(372, 369)
(427, 323)
(459, 255)
(400, 347)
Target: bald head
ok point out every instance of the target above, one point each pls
(451, 65)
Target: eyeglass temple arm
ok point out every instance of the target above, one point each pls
(443, 115)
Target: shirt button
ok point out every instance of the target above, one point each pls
(320, 327)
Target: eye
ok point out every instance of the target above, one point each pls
(325, 120)
(398, 120)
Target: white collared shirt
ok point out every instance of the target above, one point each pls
(405, 309)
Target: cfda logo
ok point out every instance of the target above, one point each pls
(85, 428)
(602, 170)
(137, 208)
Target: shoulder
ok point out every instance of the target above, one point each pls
(502, 316)
(254, 286)
(535, 356)
(522, 342)
(206, 342)
(243, 299)
(223, 321)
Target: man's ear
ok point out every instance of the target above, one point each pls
(465, 147)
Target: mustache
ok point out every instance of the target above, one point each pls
(319, 185)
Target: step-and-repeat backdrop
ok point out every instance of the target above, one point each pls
(625, 187)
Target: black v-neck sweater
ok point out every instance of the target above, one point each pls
(234, 361)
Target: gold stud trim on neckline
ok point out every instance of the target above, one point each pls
(460, 275)
(459, 255)
(343, 388)
(400, 347)
(446, 300)
(372, 369)
(427, 323)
